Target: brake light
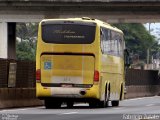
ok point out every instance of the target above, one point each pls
(38, 75)
(96, 76)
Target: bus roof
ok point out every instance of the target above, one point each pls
(87, 19)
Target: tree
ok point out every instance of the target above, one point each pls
(26, 47)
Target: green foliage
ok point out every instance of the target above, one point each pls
(26, 41)
(25, 51)
(138, 39)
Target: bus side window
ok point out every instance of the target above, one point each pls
(120, 47)
(106, 40)
(102, 41)
(114, 43)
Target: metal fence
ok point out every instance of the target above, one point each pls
(142, 77)
(25, 75)
(3, 73)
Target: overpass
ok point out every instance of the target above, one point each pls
(108, 10)
(115, 11)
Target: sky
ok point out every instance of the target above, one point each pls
(154, 29)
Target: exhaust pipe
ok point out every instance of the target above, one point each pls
(82, 92)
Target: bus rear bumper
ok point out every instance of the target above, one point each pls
(67, 92)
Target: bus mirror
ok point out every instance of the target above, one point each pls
(127, 58)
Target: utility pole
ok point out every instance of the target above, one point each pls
(148, 50)
(148, 58)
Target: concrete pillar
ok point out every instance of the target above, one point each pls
(8, 40)
(11, 40)
(3, 40)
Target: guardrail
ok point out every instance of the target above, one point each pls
(141, 83)
(142, 77)
(18, 97)
(25, 73)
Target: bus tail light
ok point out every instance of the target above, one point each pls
(96, 76)
(38, 75)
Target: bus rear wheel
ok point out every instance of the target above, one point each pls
(115, 103)
(70, 104)
(93, 104)
(49, 104)
(105, 103)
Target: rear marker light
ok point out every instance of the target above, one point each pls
(38, 75)
(96, 76)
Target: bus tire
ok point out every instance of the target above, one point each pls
(49, 104)
(70, 104)
(108, 96)
(115, 103)
(121, 93)
(105, 103)
(93, 104)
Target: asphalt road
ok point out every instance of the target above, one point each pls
(131, 109)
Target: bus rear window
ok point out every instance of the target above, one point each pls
(68, 33)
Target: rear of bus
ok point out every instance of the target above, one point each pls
(67, 61)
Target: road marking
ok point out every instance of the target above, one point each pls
(134, 99)
(117, 108)
(137, 98)
(141, 98)
(19, 109)
(12, 110)
(69, 113)
(150, 105)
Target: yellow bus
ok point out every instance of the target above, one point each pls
(79, 60)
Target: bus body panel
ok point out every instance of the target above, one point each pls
(112, 73)
(67, 69)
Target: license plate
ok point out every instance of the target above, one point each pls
(66, 85)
